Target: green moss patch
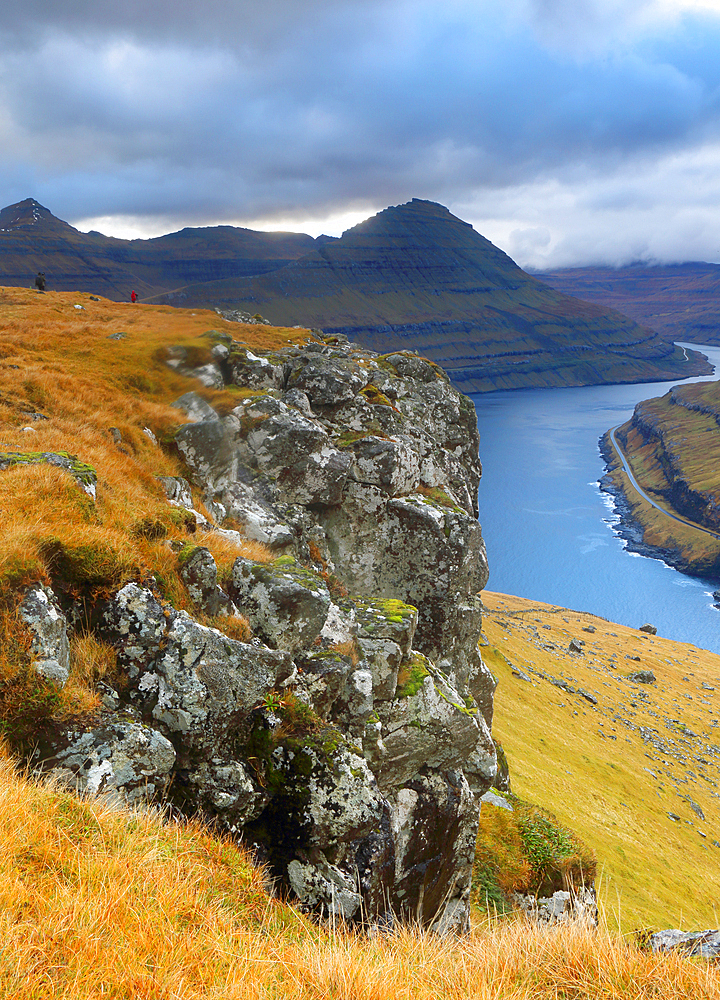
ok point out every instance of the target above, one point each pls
(411, 676)
(526, 851)
(81, 471)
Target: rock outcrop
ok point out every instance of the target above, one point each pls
(699, 944)
(349, 740)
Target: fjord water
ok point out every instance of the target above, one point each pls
(548, 527)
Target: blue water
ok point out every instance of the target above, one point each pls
(549, 528)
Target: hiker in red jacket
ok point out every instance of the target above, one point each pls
(133, 296)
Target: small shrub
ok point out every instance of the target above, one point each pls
(526, 851)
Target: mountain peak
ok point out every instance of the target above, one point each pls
(27, 213)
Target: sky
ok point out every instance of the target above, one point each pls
(569, 132)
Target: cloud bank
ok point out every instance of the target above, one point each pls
(568, 131)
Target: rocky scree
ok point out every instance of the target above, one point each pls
(348, 741)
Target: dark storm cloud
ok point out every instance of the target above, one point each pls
(244, 110)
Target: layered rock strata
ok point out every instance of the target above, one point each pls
(349, 740)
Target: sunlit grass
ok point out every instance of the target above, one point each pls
(602, 777)
(99, 902)
(66, 385)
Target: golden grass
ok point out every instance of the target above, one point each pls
(599, 769)
(61, 362)
(97, 902)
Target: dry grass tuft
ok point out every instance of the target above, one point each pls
(100, 902)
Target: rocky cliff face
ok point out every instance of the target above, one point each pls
(349, 739)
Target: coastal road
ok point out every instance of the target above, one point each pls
(646, 498)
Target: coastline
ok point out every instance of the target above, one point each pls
(637, 520)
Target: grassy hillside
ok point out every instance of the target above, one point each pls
(98, 902)
(87, 377)
(101, 902)
(614, 771)
(672, 445)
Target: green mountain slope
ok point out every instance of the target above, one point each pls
(632, 767)
(415, 276)
(671, 445)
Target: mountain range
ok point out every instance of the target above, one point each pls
(680, 301)
(32, 240)
(414, 276)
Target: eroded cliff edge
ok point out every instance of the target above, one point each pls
(349, 739)
(672, 446)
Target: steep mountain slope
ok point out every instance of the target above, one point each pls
(413, 276)
(416, 276)
(680, 301)
(32, 240)
(633, 767)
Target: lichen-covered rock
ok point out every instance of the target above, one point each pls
(260, 521)
(125, 761)
(325, 887)
(390, 463)
(295, 452)
(193, 681)
(210, 374)
(285, 603)
(418, 549)
(368, 468)
(226, 788)
(562, 907)
(349, 741)
(326, 381)
(207, 448)
(177, 490)
(49, 648)
(252, 370)
(434, 825)
(344, 801)
(429, 725)
(203, 682)
(195, 408)
(703, 944)
(323, 679)
(199, 571)
(135, 622)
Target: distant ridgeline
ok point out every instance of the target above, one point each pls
(681, 301)
(412, 277)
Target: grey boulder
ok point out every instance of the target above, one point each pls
(49, 648)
